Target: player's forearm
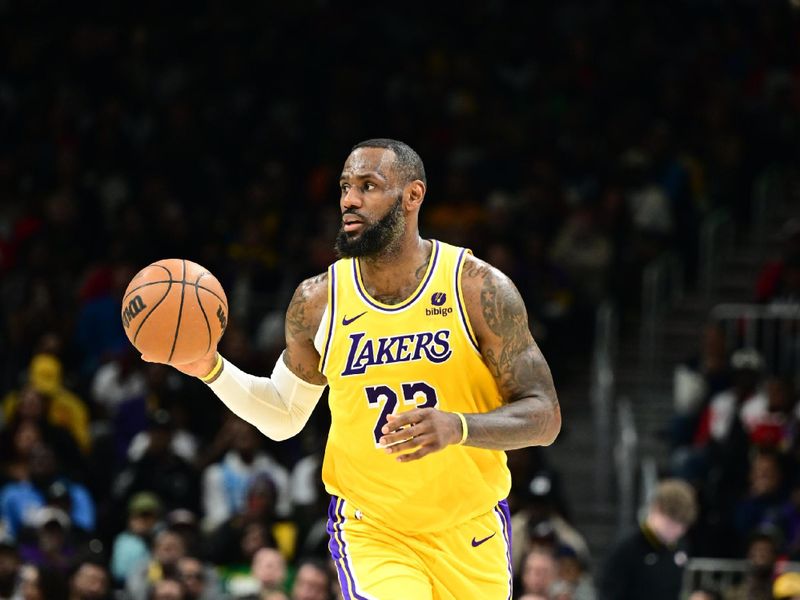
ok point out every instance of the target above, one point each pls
(532, 421)
(278, 406)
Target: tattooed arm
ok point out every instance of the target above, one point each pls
(302, 321)
(531, 415)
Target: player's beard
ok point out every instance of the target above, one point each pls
(376, 238)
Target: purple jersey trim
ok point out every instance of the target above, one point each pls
(332, 283)
(390, 309)
(462, 311)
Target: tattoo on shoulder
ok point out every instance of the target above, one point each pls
(299, 321)
(503, 308)
(474, 268)
(516, 362)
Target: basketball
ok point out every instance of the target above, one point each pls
(174, 311)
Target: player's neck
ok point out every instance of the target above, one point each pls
(392, 277)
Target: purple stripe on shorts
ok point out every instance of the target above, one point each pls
(335, 549)
(505, 518)
(336, 511)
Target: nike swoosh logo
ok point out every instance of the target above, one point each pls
(346, 321)
(476, 543)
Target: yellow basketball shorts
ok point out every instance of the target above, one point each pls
(471, 561)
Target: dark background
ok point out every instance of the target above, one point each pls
(568, 143)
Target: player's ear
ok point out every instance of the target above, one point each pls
(415, 192)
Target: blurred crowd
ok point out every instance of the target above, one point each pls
(567, 143)
(735, 435)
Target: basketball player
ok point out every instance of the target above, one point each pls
(432, 372)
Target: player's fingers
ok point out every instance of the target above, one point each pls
(408, 444)
(395, 422)
(423, 451)
(393, 439)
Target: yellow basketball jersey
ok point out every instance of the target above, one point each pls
(381, 359)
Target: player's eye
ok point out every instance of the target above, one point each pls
(344, 187)
(368, 187)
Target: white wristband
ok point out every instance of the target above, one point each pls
(279, 406)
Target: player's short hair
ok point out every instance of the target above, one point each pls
(407, 161)
(675, 499)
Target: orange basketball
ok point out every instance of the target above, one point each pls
(174, 311)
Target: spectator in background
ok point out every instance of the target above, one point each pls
(721, 445)
(168, 548)
(539, 572)
(132, 546)
(200, 581)
(737, 402)
(694, 382)
(541, 507)
(574, 576)
(50, 545)
(766, 496)
(649, 563)
(9, 569)
(773, 417)
(90, 581)
(762, 552)
(584, 252)
(16, 442)
(117, 382)
(182, 442)
(19, 500)
(134, 416)
(167, 589)
(269, 568)
(185, 523)
(42, 584)
(29, 424)
(63, 407)
(160, 470)
(267, 574)
(225, 483)
(234, 543)
(312, 582)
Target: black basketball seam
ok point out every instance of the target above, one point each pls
(169, 274)
(152, 310)
(200, 304)
(202, 287)
(180, 309)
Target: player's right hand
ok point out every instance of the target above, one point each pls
(197, 368)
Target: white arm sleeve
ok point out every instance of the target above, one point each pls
(278, 406)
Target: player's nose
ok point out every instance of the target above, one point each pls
(350, 199)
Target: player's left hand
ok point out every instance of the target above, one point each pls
(423, 430)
